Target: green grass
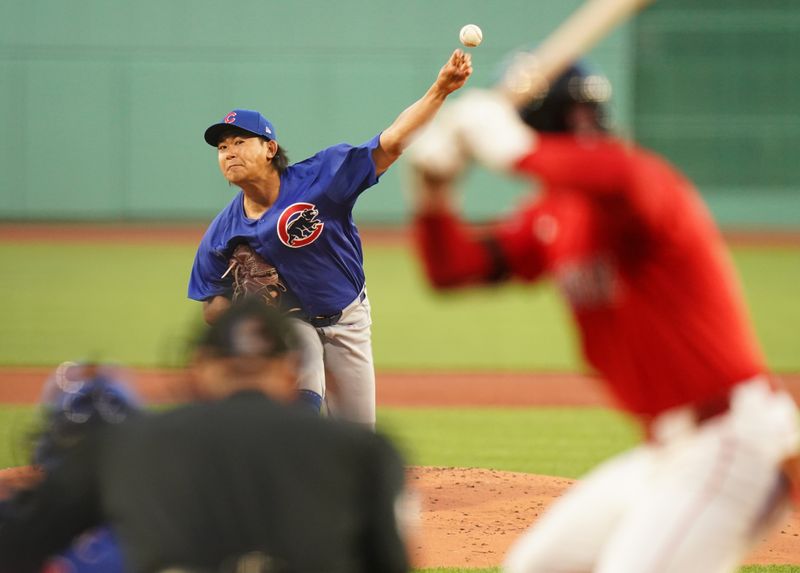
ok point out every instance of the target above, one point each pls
(564, 442)
(511, 327)
(770, 280)
(16, 426)
(127, 303)
(124, 303)
(770, 569)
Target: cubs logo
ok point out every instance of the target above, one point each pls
(230, 118)
(299, 226)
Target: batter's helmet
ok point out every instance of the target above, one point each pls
(76, 398)
(577, 85)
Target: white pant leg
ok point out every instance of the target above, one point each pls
(570, 536)
(717, 490)
(701, 511)
(312, 368)
(349, 365)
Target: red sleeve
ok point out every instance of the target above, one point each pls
(456, 254)
(450, 252)
(597, 165)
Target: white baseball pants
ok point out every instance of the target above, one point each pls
(692, 501)
(337, 363)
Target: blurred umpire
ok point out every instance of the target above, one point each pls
(240, 480)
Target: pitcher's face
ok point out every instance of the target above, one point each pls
(242, 158)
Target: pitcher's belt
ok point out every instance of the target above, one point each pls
(323, 320)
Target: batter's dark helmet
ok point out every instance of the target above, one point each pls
(577, 85)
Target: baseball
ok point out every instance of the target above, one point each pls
(470, 35)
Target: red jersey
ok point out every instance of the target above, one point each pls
(637, 256)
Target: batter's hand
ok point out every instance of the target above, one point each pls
(451, 141)
(454, 73)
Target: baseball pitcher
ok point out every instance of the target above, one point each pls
(288, 237)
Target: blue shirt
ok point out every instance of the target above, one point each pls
(308, 234)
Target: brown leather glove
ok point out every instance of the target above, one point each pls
(253, 276)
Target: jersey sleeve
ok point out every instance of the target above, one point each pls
(350, 169)
(456, 254)
(205, 280)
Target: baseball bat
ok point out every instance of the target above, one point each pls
(531, 72)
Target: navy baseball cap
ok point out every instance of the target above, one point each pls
(244, 119)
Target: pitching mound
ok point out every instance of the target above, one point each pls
(471, 516)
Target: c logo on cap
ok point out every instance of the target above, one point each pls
(230, 118)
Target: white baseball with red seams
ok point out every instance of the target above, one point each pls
(470, 35)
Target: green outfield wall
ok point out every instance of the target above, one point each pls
(717, 84)
(103, 102)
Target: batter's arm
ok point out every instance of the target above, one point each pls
(456, 254)
(446, 246)
(395, 138)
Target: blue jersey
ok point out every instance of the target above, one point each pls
(308, 234)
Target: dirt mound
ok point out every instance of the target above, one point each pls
(470, 516)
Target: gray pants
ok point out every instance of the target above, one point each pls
(337, 364)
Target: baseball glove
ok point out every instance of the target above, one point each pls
(253, 276)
